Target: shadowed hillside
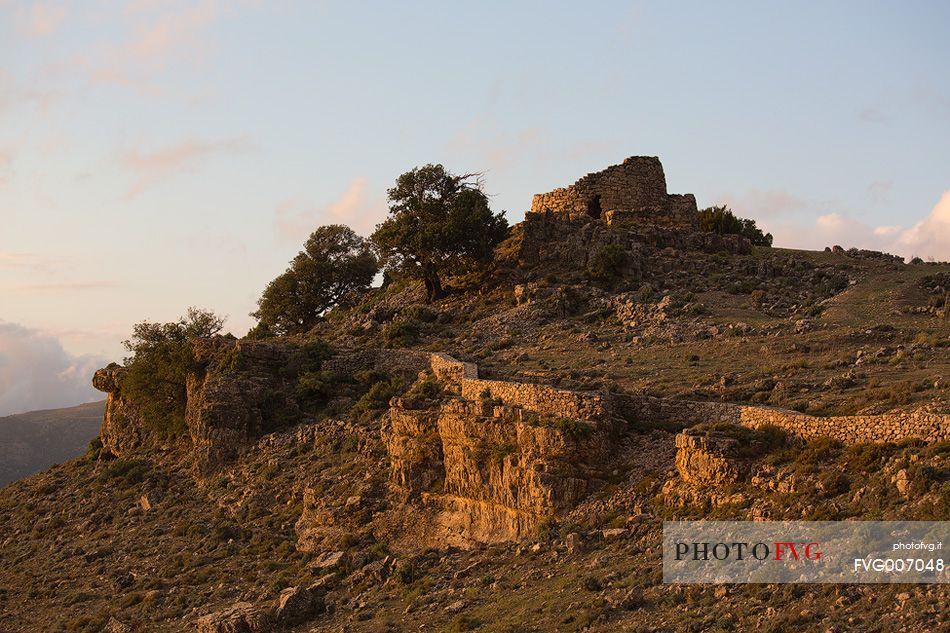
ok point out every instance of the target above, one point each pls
(34, 441)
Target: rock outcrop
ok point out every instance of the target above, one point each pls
(710, 459)
(122, 430)
(499, 459)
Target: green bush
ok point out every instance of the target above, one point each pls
(94, 448)
(420, 313)
(376, 399)
(316, 385)
(231, 362)
(721, 220)
(429, 389)
(498, 452)
(645, 293)
(308, 358)
(463, 623)
(574, 429)
(403, 333)
(126, 471)
(608, 263)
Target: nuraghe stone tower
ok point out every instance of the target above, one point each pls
(631, 193)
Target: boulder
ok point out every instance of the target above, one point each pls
(297, 604)
(710, 459)
(242, 617)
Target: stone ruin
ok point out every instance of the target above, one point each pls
(632, 193)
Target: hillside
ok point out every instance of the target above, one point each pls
(31, 442)
(503, 458)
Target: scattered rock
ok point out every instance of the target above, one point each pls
(613, 534)
(455, 607)
(242, 617)
(574, 542)
(328, 560)
(148, 501)
(901, 480)
(115, 626)
(296, 604)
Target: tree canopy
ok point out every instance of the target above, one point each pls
(723, 221)
(334, 261)
(439, 223)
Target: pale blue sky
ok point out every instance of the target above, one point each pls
(155, 155)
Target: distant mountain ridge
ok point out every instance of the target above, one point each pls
(34, 441)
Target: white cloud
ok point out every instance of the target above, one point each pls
(928, 238)
(757, 203)
(152, 167)
(295, 219)
(37, 373)
(931, 236)
(40, 20)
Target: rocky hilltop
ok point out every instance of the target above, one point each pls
(502, 459)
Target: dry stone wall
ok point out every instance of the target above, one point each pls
(848, 429)
(540, 398)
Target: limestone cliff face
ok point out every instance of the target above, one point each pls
(493, 472)
(122, 430)
(239, 394)
(411, 435)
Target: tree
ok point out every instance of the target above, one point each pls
(721, 220)
(158, 365)
(440, 223)
(333, 262)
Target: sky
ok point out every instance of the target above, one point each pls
(160, 154)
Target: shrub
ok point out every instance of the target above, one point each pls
(420, 313)
(721, 220)
(308, 358)
(403, 333)
(126, 471)
(498, 452)
(574, 429)
(231, 361)
(645, 293)
(592, 583)
(866, 458)
(608, 263)
(429, 389)
(463, 623)
(316, 385)
(94, 448)
(376, 399)
(406, 574)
